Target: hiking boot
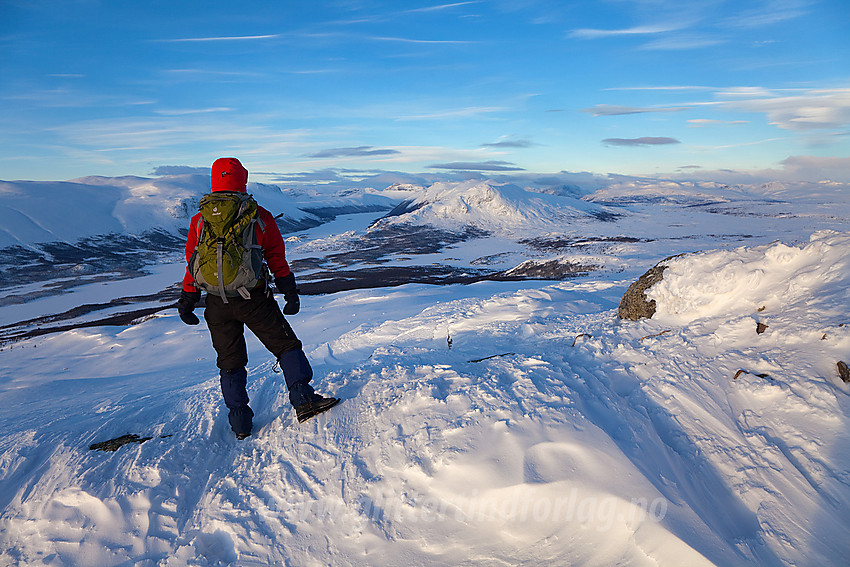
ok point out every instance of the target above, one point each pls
(318, 405)
(307, 402)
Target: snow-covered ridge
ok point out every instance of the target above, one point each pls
(67, 211)
(33, 212)
(762, 282)
(45, 212)
(494, 207)
(673, 192)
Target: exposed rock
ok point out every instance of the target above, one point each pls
(635, 305)
(548, 270)
(843, 371)
(118, 442)
(114, 444)
(760, 328)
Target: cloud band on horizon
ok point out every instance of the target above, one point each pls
(643, 141)
(492, 165)
(617, 110)
(357, 151)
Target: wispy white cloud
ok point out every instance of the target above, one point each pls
(389, 16)
(663, 88)
(439, 7)
(671, 36)
(770, 13)
(702, 122)
(206, 74)
(168, 132)
(187, 111)
(180, 170)
(315, 71)
(681, 42)
(357, 151)
(826, 171)
(458, 113)
(651, 29)
(219, 38)
(423, 41)
(405, 155)
(509, 143)
(491, 165)
(643, 141)
(616, 110)
(747, 92)
(818, 163)
(813, 110)
(740, 144)
(73, 98)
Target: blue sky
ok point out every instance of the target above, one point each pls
(636, 87)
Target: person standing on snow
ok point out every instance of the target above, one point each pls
(227, 314)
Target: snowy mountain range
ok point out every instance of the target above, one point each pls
(42, 212)
(505, 416)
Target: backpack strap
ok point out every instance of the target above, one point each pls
(219, 265)
(247, 233)
(199, 233)
(249, 241)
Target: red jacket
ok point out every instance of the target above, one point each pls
(269, 238)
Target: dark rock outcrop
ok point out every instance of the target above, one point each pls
(635, 305)
(115, 444)
(843, 371)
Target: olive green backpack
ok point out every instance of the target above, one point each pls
(227, 261)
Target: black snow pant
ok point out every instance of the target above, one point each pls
(262, 315)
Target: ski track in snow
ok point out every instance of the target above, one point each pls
(490, 424)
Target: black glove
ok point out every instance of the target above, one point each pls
(286, 286)
(185, 306)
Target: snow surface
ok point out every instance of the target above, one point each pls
(499, 423)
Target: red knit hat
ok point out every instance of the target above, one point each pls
(228, 174)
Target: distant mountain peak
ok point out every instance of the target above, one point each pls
(492, 206)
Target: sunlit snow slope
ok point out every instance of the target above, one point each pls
(480, 425)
